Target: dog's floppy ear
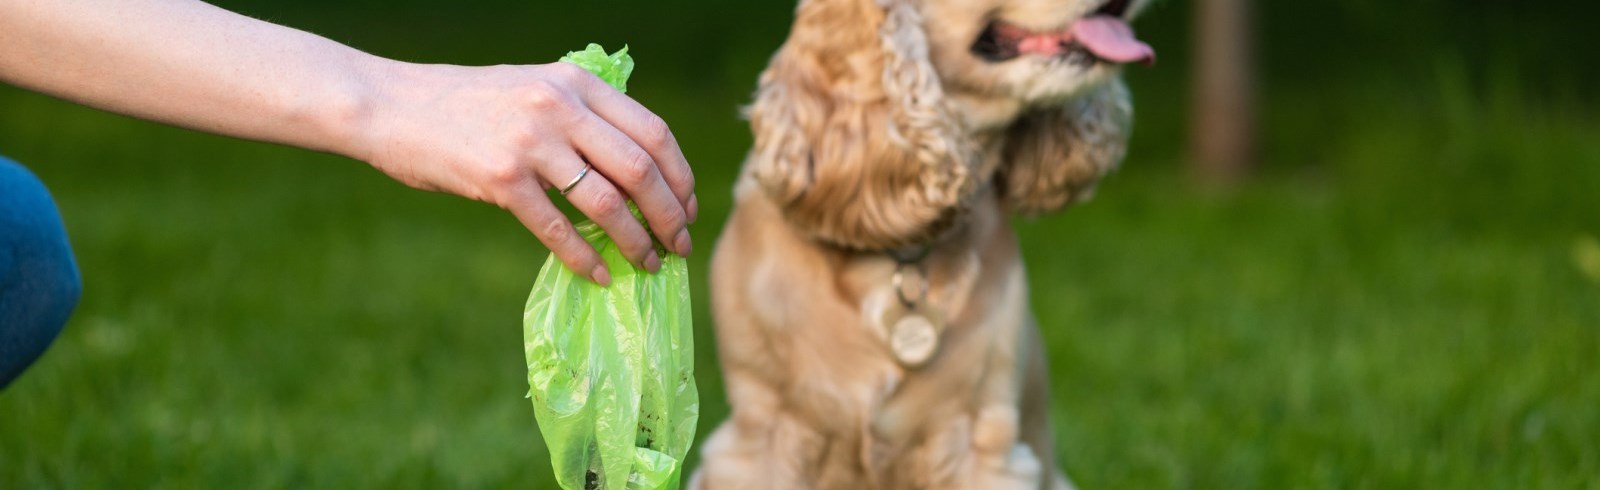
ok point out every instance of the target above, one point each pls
(1055, 155)
(852, 137)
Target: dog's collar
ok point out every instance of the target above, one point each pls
(910, 255)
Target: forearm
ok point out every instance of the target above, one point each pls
(190, 64)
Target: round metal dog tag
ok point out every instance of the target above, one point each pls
(914, 340)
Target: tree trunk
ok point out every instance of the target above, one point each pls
(1222, 125)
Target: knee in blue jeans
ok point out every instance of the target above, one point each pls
(39, 281)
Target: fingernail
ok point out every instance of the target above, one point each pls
(600, 275)
(682, 244)
(652, 262)
(693, 208)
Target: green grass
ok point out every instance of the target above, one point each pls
(1395, 302)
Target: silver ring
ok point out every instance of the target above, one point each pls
(574, 182)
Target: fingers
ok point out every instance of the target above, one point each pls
(627, 165)
(649, 132)
(602, 202)
(534, 209)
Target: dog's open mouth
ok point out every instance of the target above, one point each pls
(1103, 35)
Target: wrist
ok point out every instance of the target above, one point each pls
(347, 121)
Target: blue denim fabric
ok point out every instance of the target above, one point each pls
(39, 283)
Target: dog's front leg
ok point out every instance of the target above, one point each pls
(1010, 437)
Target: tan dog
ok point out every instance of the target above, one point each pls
(869, 295)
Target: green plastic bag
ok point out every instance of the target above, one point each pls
(613, 68)
(611, 369)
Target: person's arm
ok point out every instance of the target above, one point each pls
(498, 134)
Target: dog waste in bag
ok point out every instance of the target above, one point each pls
(611, 369)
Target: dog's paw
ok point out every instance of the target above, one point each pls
(994, 430)
(1001, 462)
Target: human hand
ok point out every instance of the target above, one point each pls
(506, 134)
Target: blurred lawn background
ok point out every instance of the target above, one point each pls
(1407, 295)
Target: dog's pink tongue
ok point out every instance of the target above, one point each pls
(1111, 39)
